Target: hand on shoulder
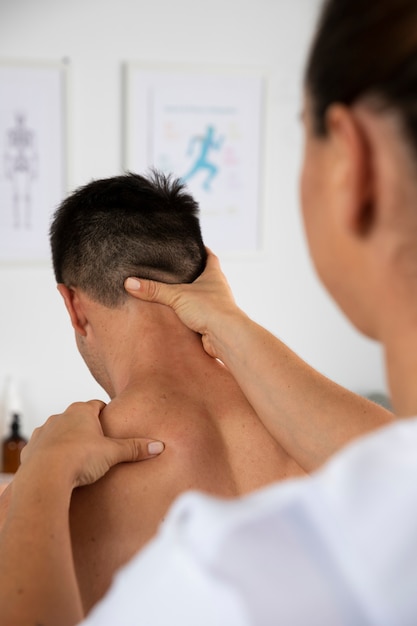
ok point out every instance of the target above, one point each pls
(73, 445)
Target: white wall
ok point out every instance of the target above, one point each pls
(278, 289)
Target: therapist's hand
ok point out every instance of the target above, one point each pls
(73, 445)
(38, 583)
(200, 305)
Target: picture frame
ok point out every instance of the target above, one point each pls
(33, 106)
(204, 126)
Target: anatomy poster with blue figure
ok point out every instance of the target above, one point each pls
(206, 130)
(31, 157)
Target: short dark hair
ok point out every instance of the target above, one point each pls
(124, 226)
(365, 49)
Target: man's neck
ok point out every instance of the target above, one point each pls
(160, 358)
(139, 344)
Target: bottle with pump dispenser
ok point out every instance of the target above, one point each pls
(12, 447)
(11, 439)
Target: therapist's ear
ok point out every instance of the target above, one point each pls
(74, 308)
(352, 172)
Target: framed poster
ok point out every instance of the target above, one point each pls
(204, 127)
(32, 156)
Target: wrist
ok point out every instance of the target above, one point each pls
(224, 333)
(46, 474)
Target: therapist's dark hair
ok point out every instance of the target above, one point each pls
(365, 49)
(126, 226)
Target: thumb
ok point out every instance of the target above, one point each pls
(115, 451)
(150, 290)
(135, 449)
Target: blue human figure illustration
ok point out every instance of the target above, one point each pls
(207, 143)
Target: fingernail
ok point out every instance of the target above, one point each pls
(132, 283)
(155, 447)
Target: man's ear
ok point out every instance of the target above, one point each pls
(74, 308)
(352, 169)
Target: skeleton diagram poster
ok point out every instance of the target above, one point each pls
(32, 180)
(204, 128)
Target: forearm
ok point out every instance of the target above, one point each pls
(37, 577)
(311, 416)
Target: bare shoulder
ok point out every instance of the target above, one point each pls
(205, 448)
(116, 516)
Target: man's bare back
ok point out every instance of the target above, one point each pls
(162, 383)
(214, 442)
